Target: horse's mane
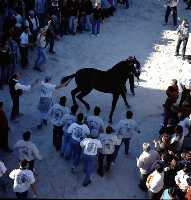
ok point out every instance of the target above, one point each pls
(118, 67)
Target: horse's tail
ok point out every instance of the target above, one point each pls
(67, 79)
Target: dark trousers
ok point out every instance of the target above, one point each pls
(132, 84)
(22, 195)
(57, 137)
(4, 139)
(24, 56)
(116, 152)
(184, 41)
(174, 10)
(15, 108)
(126, 141)
(143, 179)
(51, 41)
(185, 94)
(109, 159)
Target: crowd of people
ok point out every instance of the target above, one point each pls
(36, 24)
(165, 169)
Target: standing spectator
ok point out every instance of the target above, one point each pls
(3, 170)
(4, 127)
(51, 34)
(181, 180)
(95, 123)
(108, 141)
(127, 127)
(45, 102)
(33, 24)
(155, 182)
(16, 90)
(5, 62)
(23, 180)
(81, 17)
(69, 119)
(183, 35)
(41, 42)
(73, 6)
(88, 9)
(97, 19)
(40, 9)
(145, 162)
(171, 7)
(185, 123)
(90, 148)
(24, 45)
(64, 19)
(78, 131)
(56, 114)
(27, 150)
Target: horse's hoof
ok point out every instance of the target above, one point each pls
(110, 121)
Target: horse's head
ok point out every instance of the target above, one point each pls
(135, 65)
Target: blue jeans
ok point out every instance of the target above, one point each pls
(89, 167)
(96, 27)
(76, 149)
(41, 58)
(88, 23)
(66, 147)
(73, 23)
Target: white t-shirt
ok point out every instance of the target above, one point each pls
(27, 150)
(57, 113)
(182, 177)
(68, 120)
(78, 131)
(156, 183)
(23, 179)
(185, 125)
(95, 124)
(47, 89)
(108, 142)
(3, 169)
(127, 127)
(90, 146)
(24, 39)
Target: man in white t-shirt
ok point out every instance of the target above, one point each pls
(27, 150)
(90, 148)
(95, 123)
(3, 170)
(155, 182)
(56, 114)
(46, 102)
(23, 181)
(127, 128)
(78, 131)
(68, 119)
(108, 141)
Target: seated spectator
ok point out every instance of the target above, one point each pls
(155, 182)
(145, 162)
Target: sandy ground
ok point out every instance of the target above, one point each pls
(138, 31)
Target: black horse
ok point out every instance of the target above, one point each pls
(110, 81)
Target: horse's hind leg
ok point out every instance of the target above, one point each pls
(83, 94)
(73, 93)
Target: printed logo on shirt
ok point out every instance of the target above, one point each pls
(22, 179)
(91, 147)
(78, 133)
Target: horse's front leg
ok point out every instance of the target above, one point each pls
(123, 94)
(114, 102)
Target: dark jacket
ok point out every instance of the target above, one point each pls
(3, 121)
(97, 14)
